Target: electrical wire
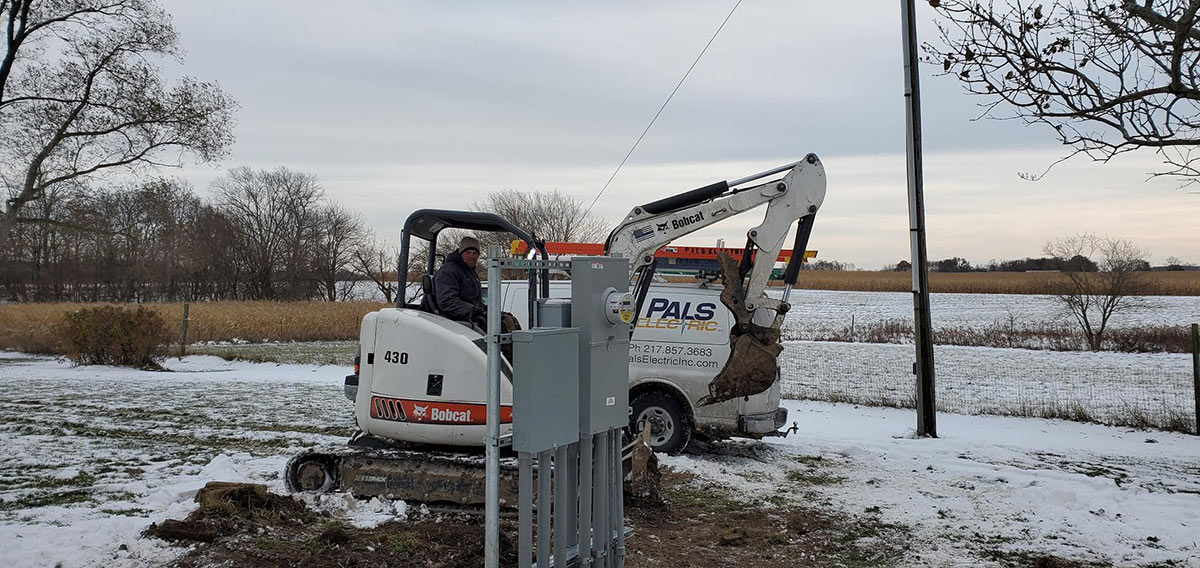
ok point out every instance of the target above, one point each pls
(664, 105)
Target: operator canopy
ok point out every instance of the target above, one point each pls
(427, 223)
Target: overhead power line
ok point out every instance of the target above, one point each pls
(664, 105)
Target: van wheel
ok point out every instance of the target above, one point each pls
(669, 426)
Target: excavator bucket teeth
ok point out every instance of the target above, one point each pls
(752, 368)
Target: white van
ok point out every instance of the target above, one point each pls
(679, 345)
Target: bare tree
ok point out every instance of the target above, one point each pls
(1108, 76)
(338, 235)
(549, 215)
(80, 95)
(273, 214)
(1094, 296)
(376, 260)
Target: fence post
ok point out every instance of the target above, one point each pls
(1196, 371)
(183, 340)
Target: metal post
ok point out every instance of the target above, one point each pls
(1196, 371)
(563, 491)
(525, 510)
(543, 507)
(183, 340)
(600, 501)
(572, 485)
(585, 500)
(926, 407)
(491, 440)
(617, 499)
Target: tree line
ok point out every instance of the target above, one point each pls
(1076, 263)
(263, 235)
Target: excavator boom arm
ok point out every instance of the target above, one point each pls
(753, 363)
(651, 226)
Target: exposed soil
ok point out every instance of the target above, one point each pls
(699, 525)
(693, 525)
(285, 533)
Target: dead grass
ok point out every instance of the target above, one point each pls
(1185, 283)
(1011, 335)
(29, 327)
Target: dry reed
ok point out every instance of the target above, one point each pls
(1177, 283)
(29, 327)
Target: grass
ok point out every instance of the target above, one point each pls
(28, 327)
(1177, 283)
(1040, 336)
(340, 352)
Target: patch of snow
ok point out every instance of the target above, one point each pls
(833, 309)
(362, 514)
(1078, 491)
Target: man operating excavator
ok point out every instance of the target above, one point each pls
(457, 290)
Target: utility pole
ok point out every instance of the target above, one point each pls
(923, 368)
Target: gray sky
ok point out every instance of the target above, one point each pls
(397, 106)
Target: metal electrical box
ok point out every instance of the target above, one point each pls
(554, 312)
(545, 389)
(603, 346)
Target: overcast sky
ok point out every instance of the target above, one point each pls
(397, 106)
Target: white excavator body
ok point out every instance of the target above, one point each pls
(423, 381)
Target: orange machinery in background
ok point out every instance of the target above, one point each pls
(675, 257)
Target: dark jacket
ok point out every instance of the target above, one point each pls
(457, 290)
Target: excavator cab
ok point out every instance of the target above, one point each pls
(427, 224)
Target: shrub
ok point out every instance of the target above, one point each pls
(111, 335)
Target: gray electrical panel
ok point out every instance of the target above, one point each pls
(603, 346)
(554, 312)
(545, 388)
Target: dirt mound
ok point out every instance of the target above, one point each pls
(232, 508)
(246, 525)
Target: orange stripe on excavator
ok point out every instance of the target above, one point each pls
(519, 248)
(432, 412)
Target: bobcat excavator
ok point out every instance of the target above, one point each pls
(419, 387)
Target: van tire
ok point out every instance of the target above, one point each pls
(670, 427)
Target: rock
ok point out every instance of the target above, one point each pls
(735, 537)
(216, 492)
(172, 529)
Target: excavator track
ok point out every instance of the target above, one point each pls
(438, 478)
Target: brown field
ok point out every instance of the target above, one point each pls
(1179, 283)
(29, 327)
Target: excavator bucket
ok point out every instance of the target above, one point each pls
(752, 368)
(753, 364)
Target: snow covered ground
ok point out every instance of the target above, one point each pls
(832, 310)
(91, 456)
(1077, 491)
(1130, 388)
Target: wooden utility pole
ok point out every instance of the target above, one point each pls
(923, 368)
(183, 336)
(1196, 372)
